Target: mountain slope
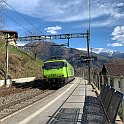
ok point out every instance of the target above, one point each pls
(46, 50)
(21, 64)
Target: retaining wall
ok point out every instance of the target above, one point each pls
(20, 80)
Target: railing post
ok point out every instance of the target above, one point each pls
(99, 83)
(83, 74)
(122, 90)
(116, 83)
(109, 80)
(96, 80)
(92, 78)
(103, 80)
(122, 84)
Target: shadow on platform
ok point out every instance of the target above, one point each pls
(65, 116)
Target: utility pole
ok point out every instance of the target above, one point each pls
(6, 69)
(88, 55)
(88, 47)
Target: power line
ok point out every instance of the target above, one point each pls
(15, 21)
(23, 17)
(2, 7)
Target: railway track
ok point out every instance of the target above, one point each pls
(14, 102)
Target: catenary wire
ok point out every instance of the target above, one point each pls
(23, 17)
(15, 21)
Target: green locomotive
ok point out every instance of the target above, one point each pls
(57, 72)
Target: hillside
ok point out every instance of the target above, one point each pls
(46, 50)
(21, 64)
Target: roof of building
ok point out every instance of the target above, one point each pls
(10, 32)
(115, 67)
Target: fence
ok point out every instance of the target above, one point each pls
(115, 81)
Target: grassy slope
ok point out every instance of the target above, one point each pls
(21, 64)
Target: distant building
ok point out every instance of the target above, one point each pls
(13, 36)
(114, 74)
(115, 67)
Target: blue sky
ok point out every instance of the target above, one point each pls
(71, 16)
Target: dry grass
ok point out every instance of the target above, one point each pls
(21, 64)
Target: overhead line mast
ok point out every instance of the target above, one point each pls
(60, 36)
(88, 45)
(67, 36)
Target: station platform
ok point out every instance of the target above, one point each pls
(65, 106)
(71, 110)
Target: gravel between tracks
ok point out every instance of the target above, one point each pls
(14, 102)
(17, 96)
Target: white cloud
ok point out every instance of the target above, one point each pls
(118, 36)
(20, 43)
(98, 50)
(102, 23)
(84, 49)
(115, 44)
(120, 4)
(66, 10)
(119, 30)
(111, 9)
(53, 30)
(63, 11)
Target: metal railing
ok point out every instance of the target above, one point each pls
(114, 81)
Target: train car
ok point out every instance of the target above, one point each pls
(57, 72)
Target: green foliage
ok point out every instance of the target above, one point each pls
(120, 112)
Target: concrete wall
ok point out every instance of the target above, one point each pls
(23, 80)
(2, 82)
(20, 80)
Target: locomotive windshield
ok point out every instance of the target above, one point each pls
(54, 65)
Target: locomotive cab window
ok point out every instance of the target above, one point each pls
(53, 65)
(43, 66)
(65, 64)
